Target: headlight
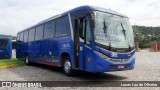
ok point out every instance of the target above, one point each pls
(114, 59)
(100, 54)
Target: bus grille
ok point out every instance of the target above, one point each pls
(119, 60)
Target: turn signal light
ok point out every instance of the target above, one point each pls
(89, 59)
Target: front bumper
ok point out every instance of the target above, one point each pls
(104, 65)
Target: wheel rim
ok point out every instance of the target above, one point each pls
(26, 59)
(67, 66)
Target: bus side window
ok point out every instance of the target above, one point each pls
(18, 36)
(31, 35)
(88, 36)
(82, 28)
(39, 32)
(62, 27)
(49, 30)
(21, 36)
(26, 36)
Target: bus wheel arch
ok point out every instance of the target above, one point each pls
(27, 58)
(65, 63)
(62, 58)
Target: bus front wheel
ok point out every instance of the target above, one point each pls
(67, 67)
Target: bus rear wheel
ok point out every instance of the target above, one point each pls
(27, 60)
(67, 67)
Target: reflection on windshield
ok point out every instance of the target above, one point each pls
(112, 30)
(3, 43)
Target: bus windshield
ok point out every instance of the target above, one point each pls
(113, 31)
(3, 43)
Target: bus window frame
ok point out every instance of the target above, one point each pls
(62, 18)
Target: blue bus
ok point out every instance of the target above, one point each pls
(86, 38)
(5, 47)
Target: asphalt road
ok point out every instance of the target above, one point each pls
(147, 69)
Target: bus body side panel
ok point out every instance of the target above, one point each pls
(3, 53)
(23, 50)
(42, 51)
(89, 59)
(54, 51)
(64, 46)
(6, 51)
(20, 50)
(37, 51)
(31, 51)
(10, 48)
(48, 53)
(82, 56)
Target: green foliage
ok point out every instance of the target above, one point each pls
(14, 37)
(8, 63)
(145, 35)
(144, 43)
(147, 30)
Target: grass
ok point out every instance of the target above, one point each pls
(9, 63)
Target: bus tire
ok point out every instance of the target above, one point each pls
(27, 60)
(67, 67)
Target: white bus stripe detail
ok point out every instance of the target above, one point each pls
(71, 26)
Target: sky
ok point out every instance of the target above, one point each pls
(16, 15)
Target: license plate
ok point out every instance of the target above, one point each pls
(120, 66)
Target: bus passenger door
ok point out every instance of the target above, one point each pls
(88, 51)
(76, 43)
(81, 28)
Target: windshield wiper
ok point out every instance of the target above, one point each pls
(105, 28)
(124, 31)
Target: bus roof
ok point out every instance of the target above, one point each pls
(5, 37)
(94, 8)
(86, 8)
